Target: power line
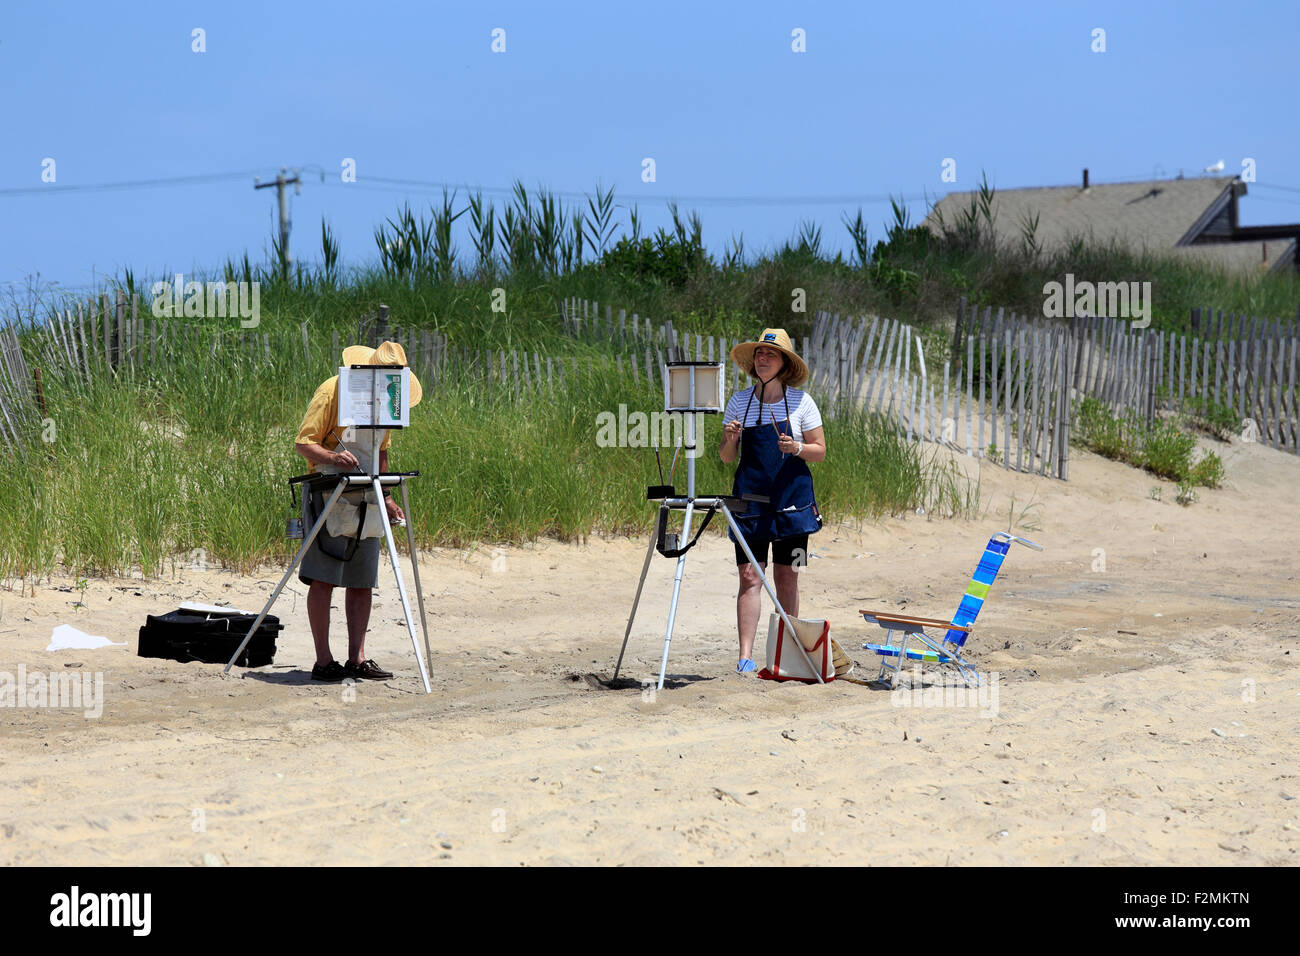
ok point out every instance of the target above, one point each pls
(399, 184)
(394, 184)
(54, 189)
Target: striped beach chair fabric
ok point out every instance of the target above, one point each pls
(948, 651)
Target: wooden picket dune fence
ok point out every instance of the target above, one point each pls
(1005, 388)
(1212, 325)
(16, 404)
(1247, 368)
(861, 366)
(646, 345)
(1005, 397)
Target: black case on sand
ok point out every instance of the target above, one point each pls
(196, 636)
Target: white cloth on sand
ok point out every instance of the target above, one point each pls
(66, 637)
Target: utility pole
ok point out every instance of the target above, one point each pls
(279, 183)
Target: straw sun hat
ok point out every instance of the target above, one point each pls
(388, 353)
(796, 369)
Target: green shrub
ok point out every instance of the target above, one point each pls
(1165, 450)
(1208, 472)
(1161, 447)
(665, 258)
(1097, 429)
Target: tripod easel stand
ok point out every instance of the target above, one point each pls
(682, 376)
(375, 480)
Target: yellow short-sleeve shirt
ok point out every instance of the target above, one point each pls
(322, 417)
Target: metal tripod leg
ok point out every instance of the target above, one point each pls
(415, 572)
(677, 589)
(649, 553)
(306, 543)
(401, 585)
(735, 529)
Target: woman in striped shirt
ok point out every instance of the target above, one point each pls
(774, 429)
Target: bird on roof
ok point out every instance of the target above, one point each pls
(1216, 168)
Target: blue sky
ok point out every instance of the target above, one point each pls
(712, 91)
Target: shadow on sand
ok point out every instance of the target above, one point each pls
(602, 682)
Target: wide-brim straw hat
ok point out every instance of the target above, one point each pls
(388, 353)
(796, 369)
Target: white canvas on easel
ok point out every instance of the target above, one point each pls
(694, 387)
(372, 400)
(375, 397)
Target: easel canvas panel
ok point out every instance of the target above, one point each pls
(370, 396)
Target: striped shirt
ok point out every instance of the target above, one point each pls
(804, 416)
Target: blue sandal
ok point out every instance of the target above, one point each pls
(745, 665)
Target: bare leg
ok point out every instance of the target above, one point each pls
(786, 579)
(357, 605)
(318, 615)
(747, 607)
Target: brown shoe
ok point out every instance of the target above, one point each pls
(333, 672)
(366, 670)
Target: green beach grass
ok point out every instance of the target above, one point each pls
(193, 466)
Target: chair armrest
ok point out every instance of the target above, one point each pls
(889, 617)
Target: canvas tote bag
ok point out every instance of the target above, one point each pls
(344, 520)
(784, 662)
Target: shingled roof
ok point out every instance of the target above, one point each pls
(1157, 216)
(1269, 255)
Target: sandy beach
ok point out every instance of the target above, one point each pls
(1142, 705)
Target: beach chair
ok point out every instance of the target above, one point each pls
(948, 651)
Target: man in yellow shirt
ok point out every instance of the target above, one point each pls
(348, 562)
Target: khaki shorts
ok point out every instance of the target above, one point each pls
(322, 562)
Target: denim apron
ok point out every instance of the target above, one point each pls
(785, 479)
